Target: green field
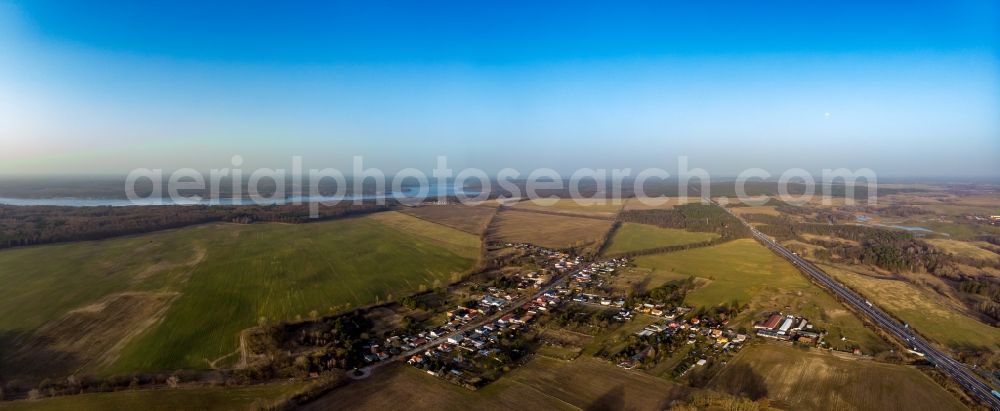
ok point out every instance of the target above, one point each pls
(209, 399)
(737, 270)
(796, 379)
(227, 277)
(634, 237)
(745, 271)
(550, 230)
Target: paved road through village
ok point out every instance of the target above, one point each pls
(479, 322)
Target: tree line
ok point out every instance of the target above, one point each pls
(32, 225)
(694, 217)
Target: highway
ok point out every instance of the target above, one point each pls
(954, 369)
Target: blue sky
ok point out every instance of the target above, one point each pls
(101, 87)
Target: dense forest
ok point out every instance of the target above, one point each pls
(845, 213)
(21, 226)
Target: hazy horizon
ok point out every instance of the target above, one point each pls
(904, 90)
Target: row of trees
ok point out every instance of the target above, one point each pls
(80, 384)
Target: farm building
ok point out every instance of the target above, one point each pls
(770, 323)
(785, 326)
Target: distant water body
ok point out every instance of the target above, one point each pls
(864, 219)
(408, 192)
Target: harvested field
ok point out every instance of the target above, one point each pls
(207, 399)
(391, 386)
(471, 219)
(832, 239)
(654, 203)
(589, 383)
(599, 207)
(765, 209)
(543, 383)
(793, 378)
(548, 230)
